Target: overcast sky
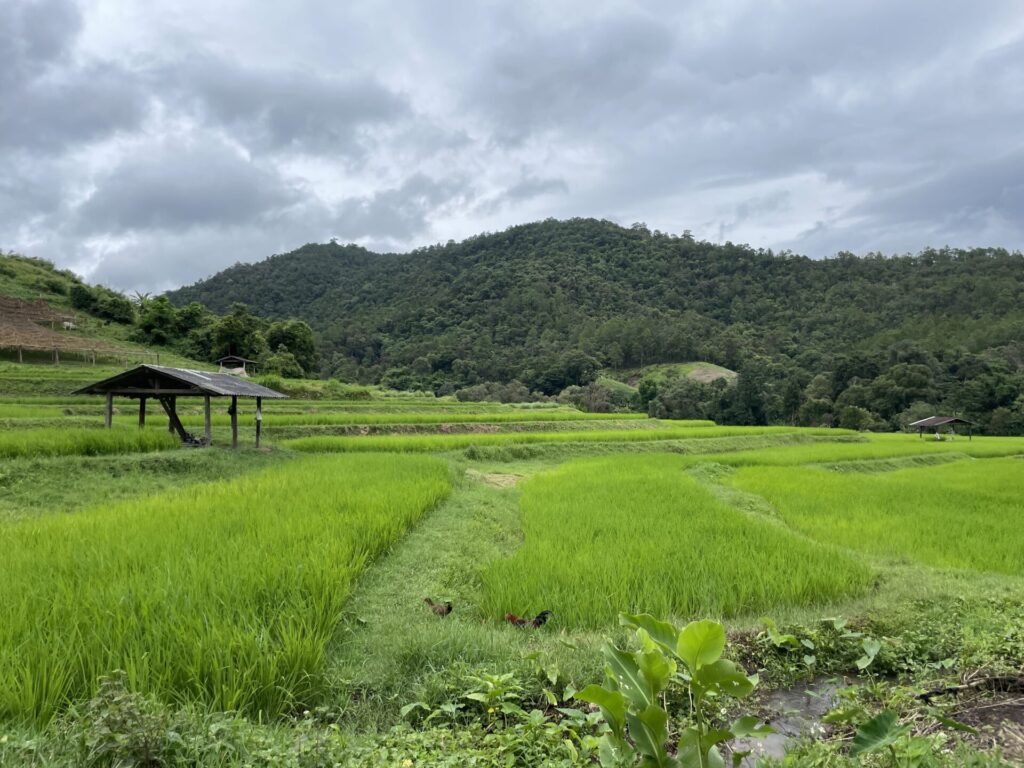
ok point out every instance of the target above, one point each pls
(150, 143)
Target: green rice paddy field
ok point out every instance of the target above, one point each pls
(288, 580)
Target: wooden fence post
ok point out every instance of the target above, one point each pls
(234, 421)
(109, 414)
(206, 420)
(142, 412)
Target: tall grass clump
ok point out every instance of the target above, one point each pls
(448, 442)
(223, 594)
(54, 441)
(961, 515)
(636, 534)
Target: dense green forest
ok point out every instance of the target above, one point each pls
(866, 341)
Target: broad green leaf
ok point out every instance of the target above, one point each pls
(725, 677)
(663, 633)
(701, 643)
(657, 669)
(877, 733)
(627, 672)
(649, 732)
(749, 726)
(612, 704)
(611, 751)
(956, 725)
(410, 707)
(871, 646)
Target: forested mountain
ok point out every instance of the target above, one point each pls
(550, 303)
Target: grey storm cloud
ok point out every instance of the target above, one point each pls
(50, 101)
(173, 187)
(285, 109)
(148, 145)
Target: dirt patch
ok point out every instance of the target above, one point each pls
(999, 719)
(494, 479)
(707, 375)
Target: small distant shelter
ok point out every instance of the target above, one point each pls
(237, 366)
(935, 423)
(168, 384)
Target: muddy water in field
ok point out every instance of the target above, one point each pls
(792, 712)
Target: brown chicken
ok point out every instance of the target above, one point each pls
(537, 621)
(441, 609)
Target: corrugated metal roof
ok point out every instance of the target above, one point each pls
(157, 377)
(938, 421)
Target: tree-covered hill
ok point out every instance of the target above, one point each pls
(548, 303)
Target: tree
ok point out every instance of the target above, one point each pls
(297, 337)
(158, 322)
(239, 333)
(283, 363)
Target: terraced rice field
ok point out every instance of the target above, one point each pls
(225, 594)
(636, 534)
(268, 583)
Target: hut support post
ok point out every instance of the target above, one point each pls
(108, 414)
(234, 421)
(170, 405)
(206, 420)
(142, 412)
(259, 420)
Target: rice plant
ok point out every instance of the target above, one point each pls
(960, 515)
(422, 443)
(320, 418)
(223, 593)
(869, 448)
(83, 442)
(635, 533)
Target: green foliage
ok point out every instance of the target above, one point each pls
(132, 586)
(297, 338)
(595, 538)
(544, 303)
(632, 704)
(240, 333)
(412, 443)
(960, 515)
(83, 442)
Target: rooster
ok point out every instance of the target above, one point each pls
(537, 621)
(440, 609)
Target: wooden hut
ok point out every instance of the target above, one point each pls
(934, 423)
(237, 366)
(168, 384)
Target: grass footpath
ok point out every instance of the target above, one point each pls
(393, 650)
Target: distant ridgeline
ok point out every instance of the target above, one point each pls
(549, 304)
